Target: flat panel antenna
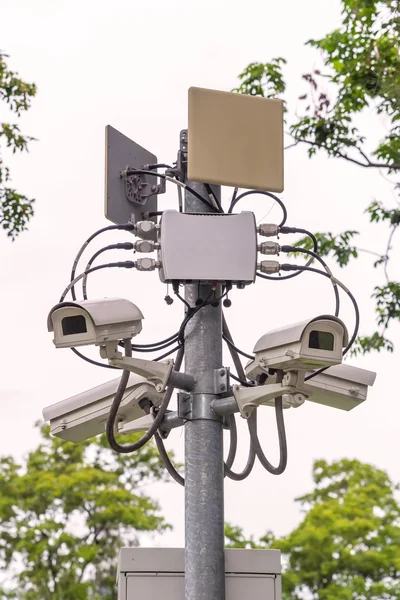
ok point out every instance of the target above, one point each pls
(128, 198)
(235, 140)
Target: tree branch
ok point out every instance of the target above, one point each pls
(388, 248)
(367, 164)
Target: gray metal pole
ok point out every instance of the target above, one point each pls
(204, 473)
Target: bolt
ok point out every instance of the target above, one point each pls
(222, 387)
(140, 187)
(222, 372)
(153, 188)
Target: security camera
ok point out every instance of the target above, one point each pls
(306, 345)
(85, 415)
(341, 386)
(94, 322)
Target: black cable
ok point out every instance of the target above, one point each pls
(323, 263)
(282, 440)
(243, 382)
(91, 361)
(156, 344)
(127, 264)
(130, 171)
(239, 367)
(119, 246)
(157, 166)
(190, 315)
(230, 459)
(175, 287)
(278, 200)
(250, 461)
(167, 461)
(168, 353)
(287, 267)
(211, 193)
(287, 229)
(146, 437)
(234, 355)
(232, 345)
(155, 348)
(125, 227)
(160, 444)
(235, 193)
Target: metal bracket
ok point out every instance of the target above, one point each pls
(180, 168)
(214, 382)
(191, 408)
(155, 372)
(138, 188)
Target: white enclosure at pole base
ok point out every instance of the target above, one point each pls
(154, 573)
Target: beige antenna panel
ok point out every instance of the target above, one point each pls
(235, 140)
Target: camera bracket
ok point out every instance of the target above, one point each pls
(250, 398)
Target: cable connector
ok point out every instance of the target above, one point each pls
(269, 266)
(126, 264)
(269, 248)
(285, 229)
(126, 226)
(145, 246)
(145, 227)
(147, 264)
(268, 229)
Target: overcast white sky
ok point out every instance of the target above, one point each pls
(129, 64)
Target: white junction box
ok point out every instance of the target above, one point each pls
(154, 573)
(207, 248)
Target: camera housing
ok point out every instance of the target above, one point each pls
(341, 386)
(85, 415)
(307, 345)
(94, 322)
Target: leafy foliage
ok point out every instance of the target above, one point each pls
(65, 513)
(338, 245)
(347, 546)
(361, 70)
(263, 79)
(15, 209)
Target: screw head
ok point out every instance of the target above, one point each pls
(222, 387)
(222, 372)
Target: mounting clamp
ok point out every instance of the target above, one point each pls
(139, 187)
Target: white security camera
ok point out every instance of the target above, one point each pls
(85, 415)
(341, 386)
(94, 322)
(306, 345)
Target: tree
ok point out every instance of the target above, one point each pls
(65, 513)
(15, 209)
(361, 70)
(347, 546)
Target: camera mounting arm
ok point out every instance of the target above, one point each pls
(249, 398)
(159, 373)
